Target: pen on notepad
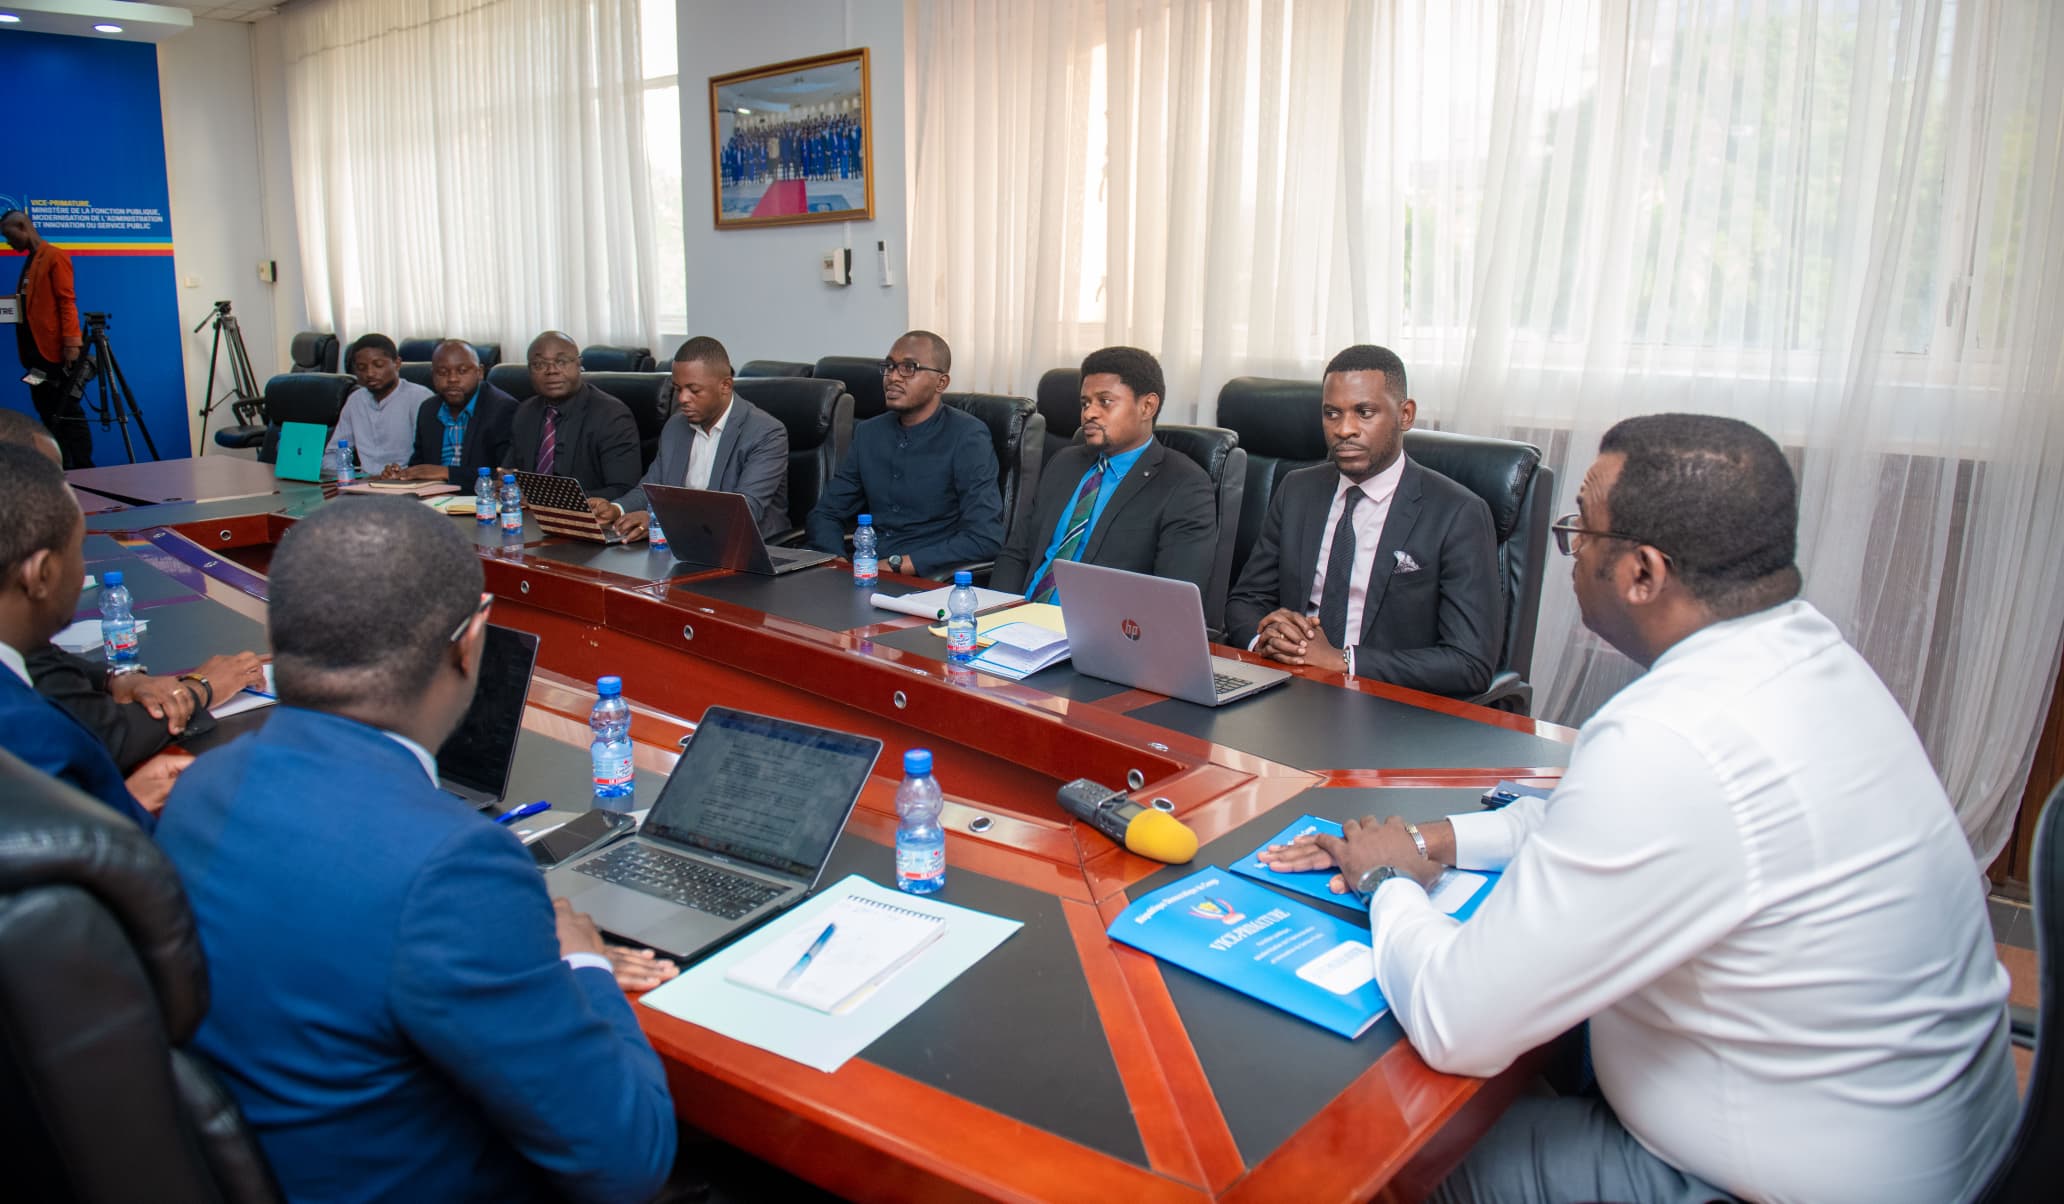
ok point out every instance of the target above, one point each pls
(516, 813)
(803, 962)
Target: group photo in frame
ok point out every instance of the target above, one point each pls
(792, 143)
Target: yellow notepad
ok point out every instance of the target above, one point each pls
(1038, 614)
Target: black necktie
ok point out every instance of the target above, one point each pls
(1339, 572)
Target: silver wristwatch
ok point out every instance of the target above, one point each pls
(1373, 877)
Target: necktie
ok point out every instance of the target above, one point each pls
(548, 447)
(1077, 532)
(1339, 573)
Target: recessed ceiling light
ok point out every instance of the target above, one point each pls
(9, 19)
(107, 29)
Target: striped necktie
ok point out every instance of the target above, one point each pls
(1077, 532)
(548, 447)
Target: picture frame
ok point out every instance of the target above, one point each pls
(793, 143)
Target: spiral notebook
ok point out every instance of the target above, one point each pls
(833, 961)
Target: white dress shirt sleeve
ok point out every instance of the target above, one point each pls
(1632, 868)
(589, 961)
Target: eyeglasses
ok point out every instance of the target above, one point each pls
(1570, 527)
(561, 362)
(459, 632)
(905, 369)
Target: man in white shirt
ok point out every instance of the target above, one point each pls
(379, 417)
(1749, 882)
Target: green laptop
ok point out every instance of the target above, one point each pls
(301, 446)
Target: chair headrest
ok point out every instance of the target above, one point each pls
(1278, 418)
(1496, 470)
(645, 393)
(51, 834)
(605, 358)
(1209, 446)
(1060, 401)
(513, 379)
(417, 351)
(1005, 416)
(805, 405)
(862, 377)
(767, 368)
(307, 397)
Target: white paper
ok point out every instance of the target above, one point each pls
(1454, 888)
(83, 637)
(248, 699)
(931, 604)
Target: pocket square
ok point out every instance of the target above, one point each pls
(1405, 563)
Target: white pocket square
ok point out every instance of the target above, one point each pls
(1405, 563)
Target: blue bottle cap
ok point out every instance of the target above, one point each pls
(609, 687)
(111, 578)
(963, 577)
(866, 520)
(484, 472)
(509, 479)
(917, 763)
(343, 443)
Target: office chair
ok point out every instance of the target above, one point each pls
(861, 375)
(785, 368)
(418, 350)
(649, 396)
(1278, 425)
(1217, 451)
(604, 358)
(813, 411)
(416, 372)
(301, 397)
(1060, 403)
(512, 378)
(313, 351)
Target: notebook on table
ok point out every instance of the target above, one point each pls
(831, 963)
(560, 506)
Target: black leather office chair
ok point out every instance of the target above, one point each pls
(2032, 1167)
(247, 425)
(861, 375)
(513, 379)
(1018, 435)
(313, 351)
(101, 983)
(605, 358)
(1217, 451)
(1060, 403)
(417, 351)
(813, 411)
(416, 371)
(1278, 425)
(787, 368)
(301, 397)
(650, 398)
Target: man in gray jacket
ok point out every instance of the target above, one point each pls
(714, 440)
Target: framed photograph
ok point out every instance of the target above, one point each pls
(792, 143)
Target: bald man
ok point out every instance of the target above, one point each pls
(464, 428)
(571, 428)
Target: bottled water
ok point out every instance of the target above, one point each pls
(486, 506)
(960, 619)
(866, 567)
(118, 625)
(655, 536)
(920, 841)
(512, 506)
(610, 751)
(346, 473)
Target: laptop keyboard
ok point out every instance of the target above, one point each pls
(1226, 683)
(679, 879)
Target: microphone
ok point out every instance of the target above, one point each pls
(1143, 830)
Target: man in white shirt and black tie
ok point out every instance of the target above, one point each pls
(1749, 882)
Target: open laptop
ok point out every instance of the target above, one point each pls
(707, 526)
(1148, 633)
(300, 452)
(474, 763)
(741, 831)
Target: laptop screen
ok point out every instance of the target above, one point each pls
(479, 753)
(763, 790)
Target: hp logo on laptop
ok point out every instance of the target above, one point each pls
(1131, 630)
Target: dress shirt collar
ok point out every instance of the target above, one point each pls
(423, 758)
(723, 420)
(1714, 634)
(1379, 488)
(444, 413)
(16, 664)
(1122, 463)
(938, 418)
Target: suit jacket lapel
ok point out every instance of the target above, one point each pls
(1304, 526)
(724, 471)
(1397, 526)
(1149, 464)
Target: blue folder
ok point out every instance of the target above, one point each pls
(1317, 883)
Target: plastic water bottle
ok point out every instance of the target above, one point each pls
(346, 473)
(960, 619)
(920, 841)
(866, 566)
(118, 625)
(512, 506)
(486, 506)
(653, 535)
(610, 751)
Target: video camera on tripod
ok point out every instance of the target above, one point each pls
(80, 372)
(116, 405)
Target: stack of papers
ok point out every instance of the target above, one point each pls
(931, 604)
(83, 637)
(1018, 650)
(1039, 614)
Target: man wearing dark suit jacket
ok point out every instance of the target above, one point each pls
(465, 427)
(571, 428)
(1372, 565)
(1118, 498)
(714, 439)
(399, 1008)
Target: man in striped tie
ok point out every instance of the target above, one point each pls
(1119, 497)
(571, 428)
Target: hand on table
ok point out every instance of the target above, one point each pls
(153, 780)
(636, 524)
(577, 933)
(1366, 843)
(640, 969)
(236, 671)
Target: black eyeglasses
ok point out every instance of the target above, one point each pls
(1570, 526)
(905, 369)
(458, 633)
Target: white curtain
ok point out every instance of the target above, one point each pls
(473, 168)
(1839, 221)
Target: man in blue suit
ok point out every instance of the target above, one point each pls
(401, 1011)
(42, 567)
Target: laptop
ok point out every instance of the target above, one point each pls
(474, 763)
(300, 452)
(741, 831)
(1148, 633)
(706, 526)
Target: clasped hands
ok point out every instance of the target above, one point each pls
(1362, 845)
(631, 525)
(1294, 639)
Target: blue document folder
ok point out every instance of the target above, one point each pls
(1247, 937)
(1459, 892)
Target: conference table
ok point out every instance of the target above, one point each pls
(1063, 1066)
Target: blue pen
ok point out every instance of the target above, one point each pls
(803, 962)
(510, 817)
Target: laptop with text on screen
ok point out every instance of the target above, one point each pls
(1148, 633)
(741, 831)
(709, 526)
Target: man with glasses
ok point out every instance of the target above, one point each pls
(571, 428)
(399, 1008)
(925, 471)
(1748, 881)
(1372, 565)
(466, 427)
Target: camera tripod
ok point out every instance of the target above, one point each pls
(117, 403)
(243, 383)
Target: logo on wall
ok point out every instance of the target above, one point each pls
(1131, 630)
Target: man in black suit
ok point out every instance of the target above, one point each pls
(1118, 498)
(1375, 547)
(463, 429)
(571, 428)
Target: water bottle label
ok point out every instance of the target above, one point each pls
(656, 536)
(960, 641)
(612, 771)
(120, 643)
(512, 520)
(920, 863)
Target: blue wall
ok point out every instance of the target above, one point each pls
(88, 129)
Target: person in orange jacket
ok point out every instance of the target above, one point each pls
(48, 334)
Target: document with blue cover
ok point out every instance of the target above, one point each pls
(1282, 952)
(1457, 892)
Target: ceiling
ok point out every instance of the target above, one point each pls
(233, 10)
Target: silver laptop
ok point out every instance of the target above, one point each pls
(708, 526)
(475, 760)
(741, 831)
(1147, 632)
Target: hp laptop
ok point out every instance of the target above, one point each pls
(1148, 633)
(705, 526)
(741, 831)
(300, 451)
(475, 761)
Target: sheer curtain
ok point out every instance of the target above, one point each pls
(472, 167)
(1836, 220)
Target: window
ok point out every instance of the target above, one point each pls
(658, 53)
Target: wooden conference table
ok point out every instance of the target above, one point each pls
(1063, 1066)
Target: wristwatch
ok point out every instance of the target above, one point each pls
(205, 685)
(1373, 877)
(896, 563)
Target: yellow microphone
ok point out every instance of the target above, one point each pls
(1142, 830)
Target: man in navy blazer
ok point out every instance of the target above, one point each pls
(714, 439)
(1370, 564)
(465, 427)
(398, 1007)
(42, 568)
